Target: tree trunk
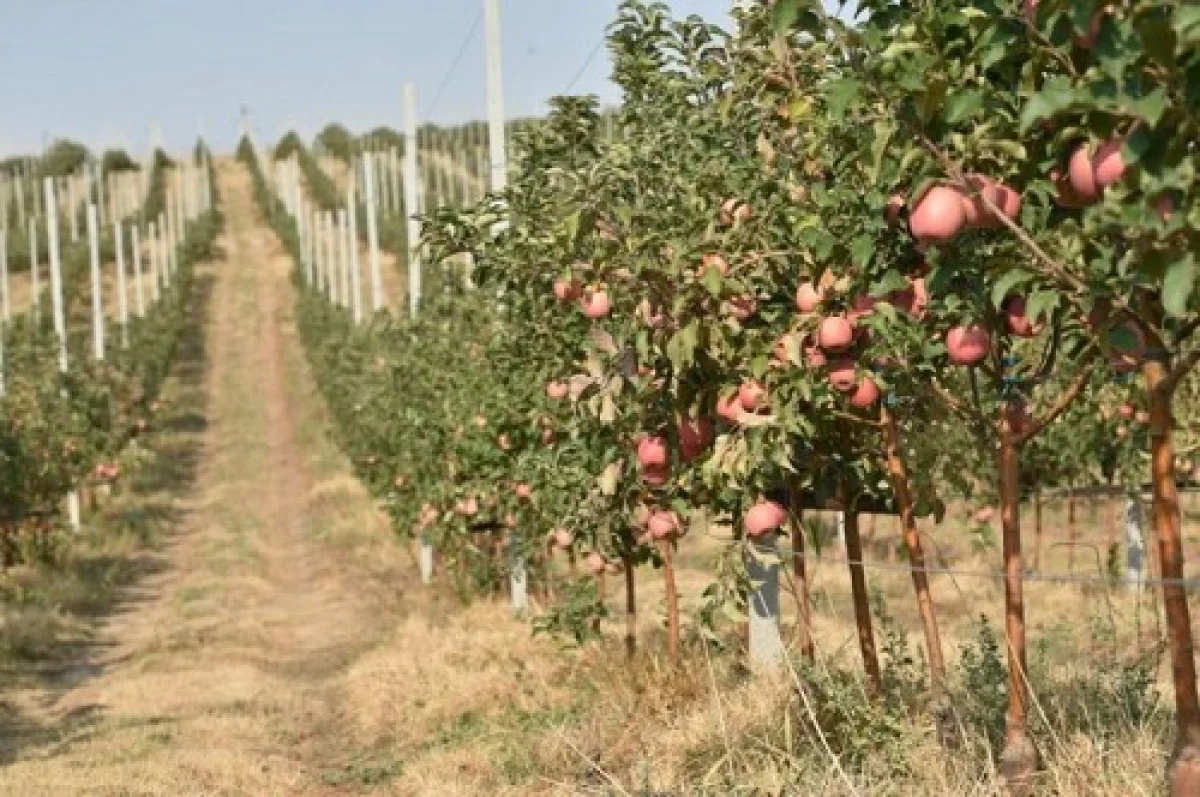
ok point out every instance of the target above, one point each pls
(1037, 529)
(916, 554)
(630, 607)
(862, 605)
(1018, 760)
(1071, 529)
(667, 548)
(800, 572)
(1183, 770)
(600, 596)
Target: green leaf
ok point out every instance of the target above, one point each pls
(961, 106)
(1040, 303)
(1177, 286)
(862, 250)
(841, 95)
(783, 15)
(1057, 95)
(1151, 107)
(1006, 283)
(884, 130)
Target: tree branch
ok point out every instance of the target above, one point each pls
(1064, 400)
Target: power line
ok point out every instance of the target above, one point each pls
(462, 50)
(588, 62)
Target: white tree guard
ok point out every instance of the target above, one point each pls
(518, 579)
(762, 566)
(1135, 545)
(425, 559)
(60, 324)
(356, 303)
(5, 298)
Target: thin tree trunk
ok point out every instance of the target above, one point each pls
(862, 605)
(916, 554)
(1071, 529)
(630, 607)
(800, 572)
(667, 548)
(600, 590)
(1183, 770)
(1018, 760)
(1037, 529)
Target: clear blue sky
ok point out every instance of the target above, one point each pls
(102, 71)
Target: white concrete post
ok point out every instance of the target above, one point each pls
(372, 235)
(93, 234)
(154, 248)
(139, 290)
(35, 298)
(412, 198)
(343, 234)
(60, 324)
(5, 300)
(356, 304)
(495, 91)
(122, 284)
(56, 286)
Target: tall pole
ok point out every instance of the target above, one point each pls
(122, 284)
(372, 234)
(60, 321)
(35, 288)
(495, 91)
(412, 198)
(93, 234)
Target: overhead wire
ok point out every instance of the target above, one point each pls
(462, 51)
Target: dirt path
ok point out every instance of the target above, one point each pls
(225, 672)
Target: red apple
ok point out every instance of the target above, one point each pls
(1015, 319)
(752, 395)
(1108, 163)
(763, 518)
(808, 297)
(596, 304)
(652, 452)
(1081, 172)
(567, 290)
(716, 261)
(866, 394)
(730, 408)
(835, 333)
(939, 216)
(557, 390)
(968, 345)
(664, 525)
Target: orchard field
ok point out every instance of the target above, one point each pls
(823, 419)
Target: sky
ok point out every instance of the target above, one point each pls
(106, 73)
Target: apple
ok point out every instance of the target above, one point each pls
(866, 394)
(763, 517)
(752, 395)
(808, 297)
(596, 304)
(1015, 319)
(835, 333)
(567, 290)
(939, 216)
(968, 344)
(664, 525)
